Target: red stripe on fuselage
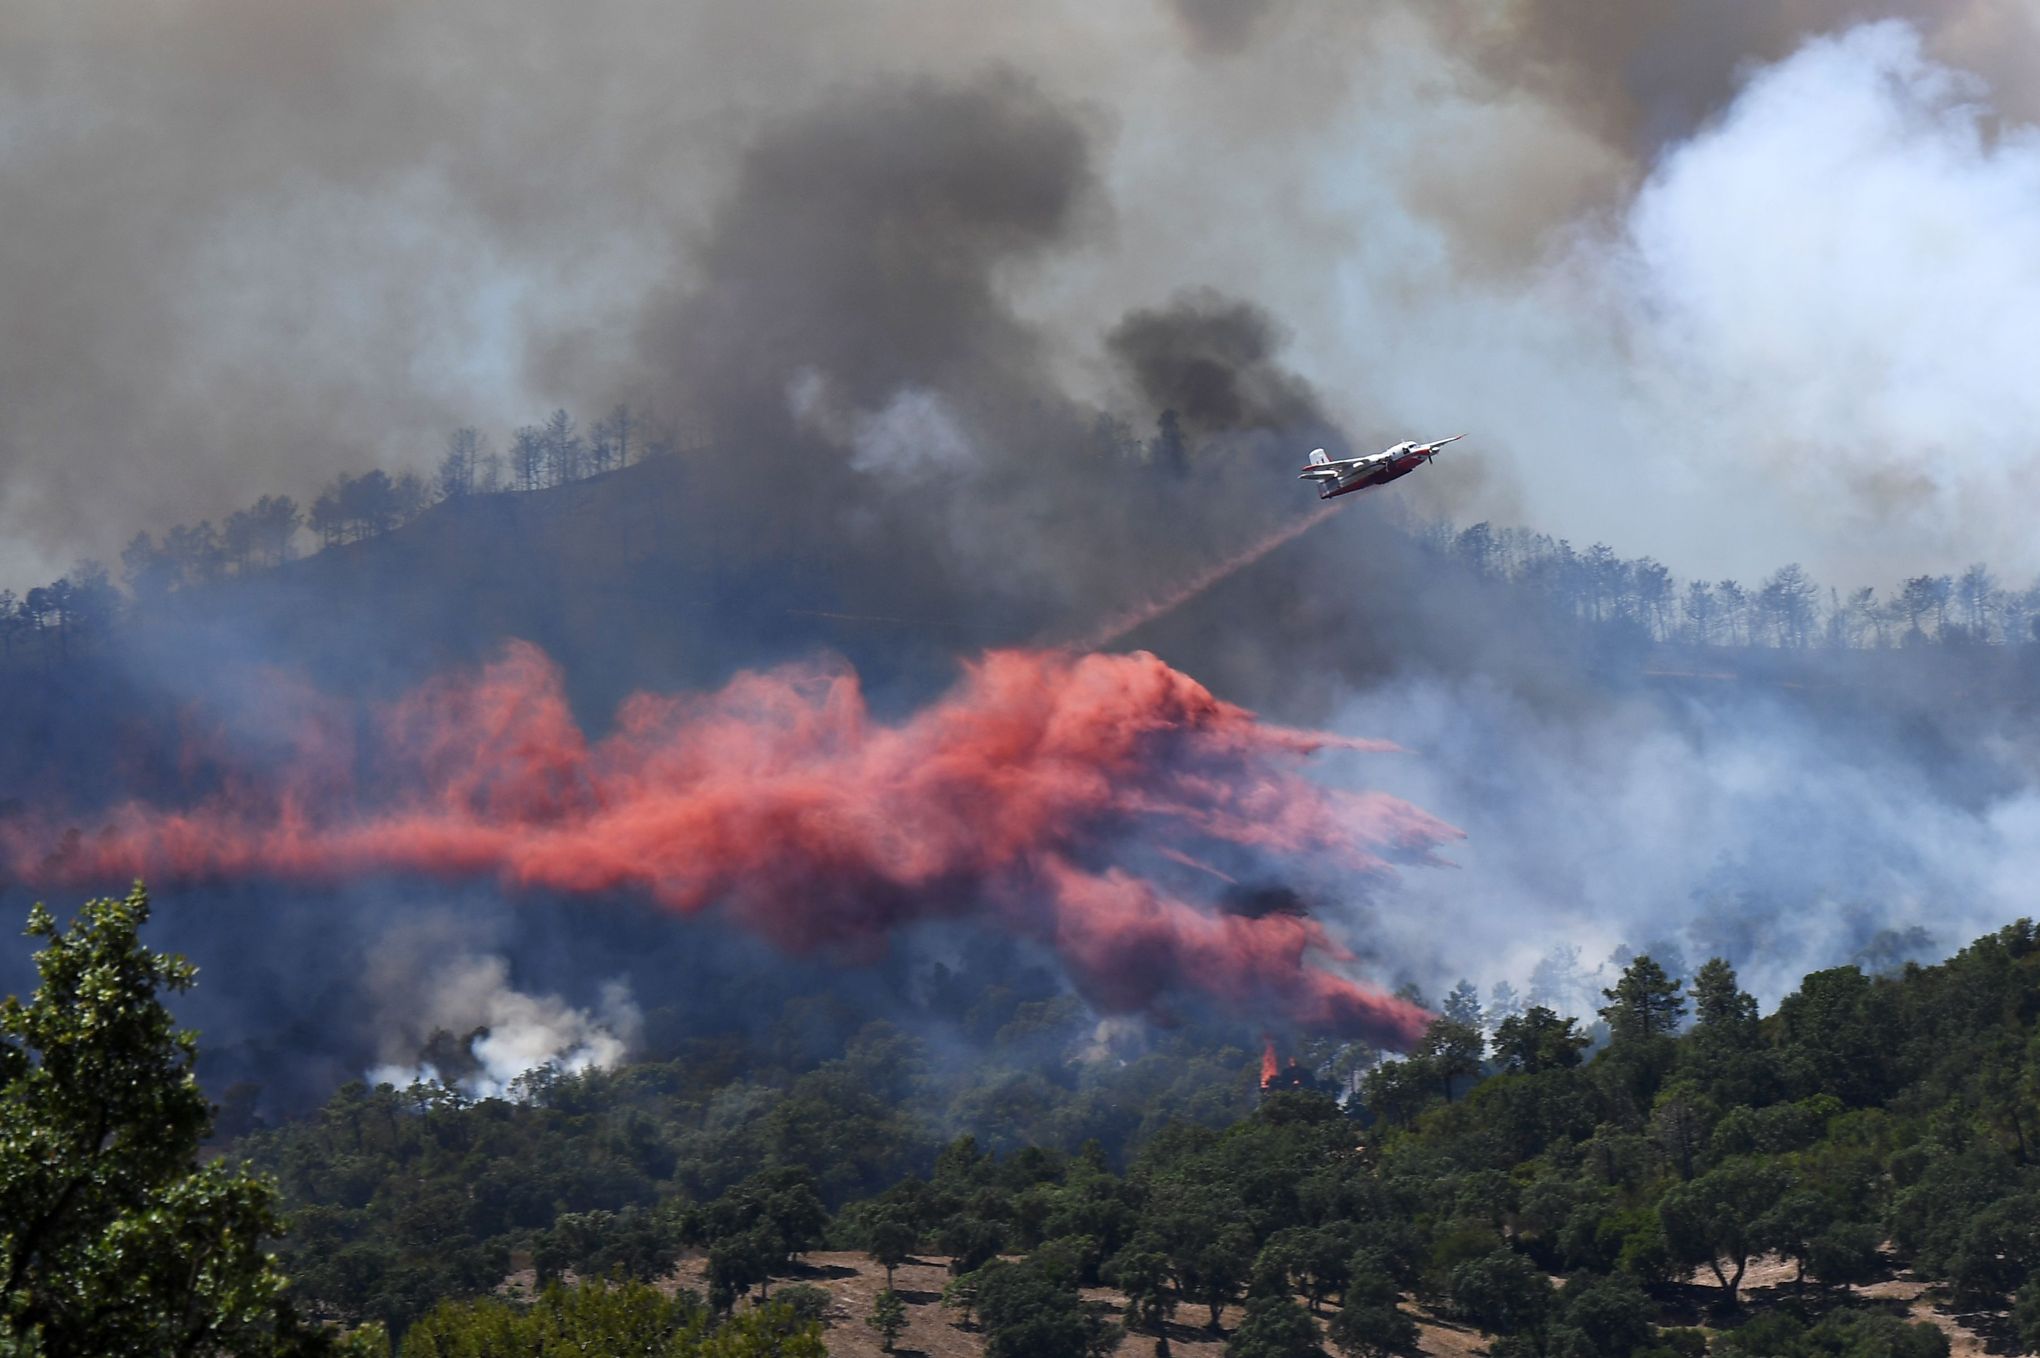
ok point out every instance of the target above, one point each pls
(1394, 471)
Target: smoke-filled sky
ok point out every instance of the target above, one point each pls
(1732, 284)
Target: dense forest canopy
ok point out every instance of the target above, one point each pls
(1561, 1187)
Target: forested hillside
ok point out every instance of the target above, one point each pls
(656, 517)
(1550, 1183)
(1567, 1188)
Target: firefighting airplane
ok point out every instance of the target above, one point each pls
(1343, 476)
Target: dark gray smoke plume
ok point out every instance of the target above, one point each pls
(1215, 362)
(1220, 26)
(1643, 73)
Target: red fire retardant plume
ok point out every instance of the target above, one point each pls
(1021, 798)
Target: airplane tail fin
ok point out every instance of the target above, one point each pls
(1318, 457)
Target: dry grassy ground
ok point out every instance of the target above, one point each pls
(1771, 1278)
(853, 1282)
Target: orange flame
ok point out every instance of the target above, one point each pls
(1271, 1065)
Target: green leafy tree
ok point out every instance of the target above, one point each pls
(113, 1238)
(971, 1242)
(1033, 1311)
(1846, 1254)
(960, 1295)
(890, 1240)
(1998, 1247)
(1143, 1275)
(1602, 1318)
(805, 1303)
(1369, 1323)
(1721, 1217)
(630, 1318)
(1537, 1040)
(1462, 1006)
(1726, 1053)
(1681, 1122)
(630, 1244)
(1844, 1333)
(1644, 1003)
(754, 1228)
(1318, 1259)
(1274, 1327)
(1502, 1292)
(1792, 1224)
(889, 1317)
(736, 1264)
(1272, 1268)
(1213, 1270)
(1835, 1037)
(1720, 1005)
(2026, 1314)
(1451, 1051)
(1396, 1091)
(1200, 1227)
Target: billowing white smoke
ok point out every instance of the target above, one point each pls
(913, 436)
(1746, 832)
(1804, 336)
(1837, 282)
(502, 1032)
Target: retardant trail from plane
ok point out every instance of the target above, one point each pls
(1026, 797)
(1118, 627)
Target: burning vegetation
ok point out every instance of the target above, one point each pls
(1277, 1078)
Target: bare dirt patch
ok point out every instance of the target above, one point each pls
(853, 1283)
(1772, 1278)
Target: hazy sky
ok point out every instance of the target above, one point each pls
(1731, 284)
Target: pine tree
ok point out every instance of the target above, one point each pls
(1645, 1003)
(1462, 1006)
(1717, 1003)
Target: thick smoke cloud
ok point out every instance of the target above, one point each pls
(1797, 340)
(1220, 26)
(1718, 818)
(1214, 361)
(1643, 73)
(250, 247)
(1837, 282)
(477, 1032)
